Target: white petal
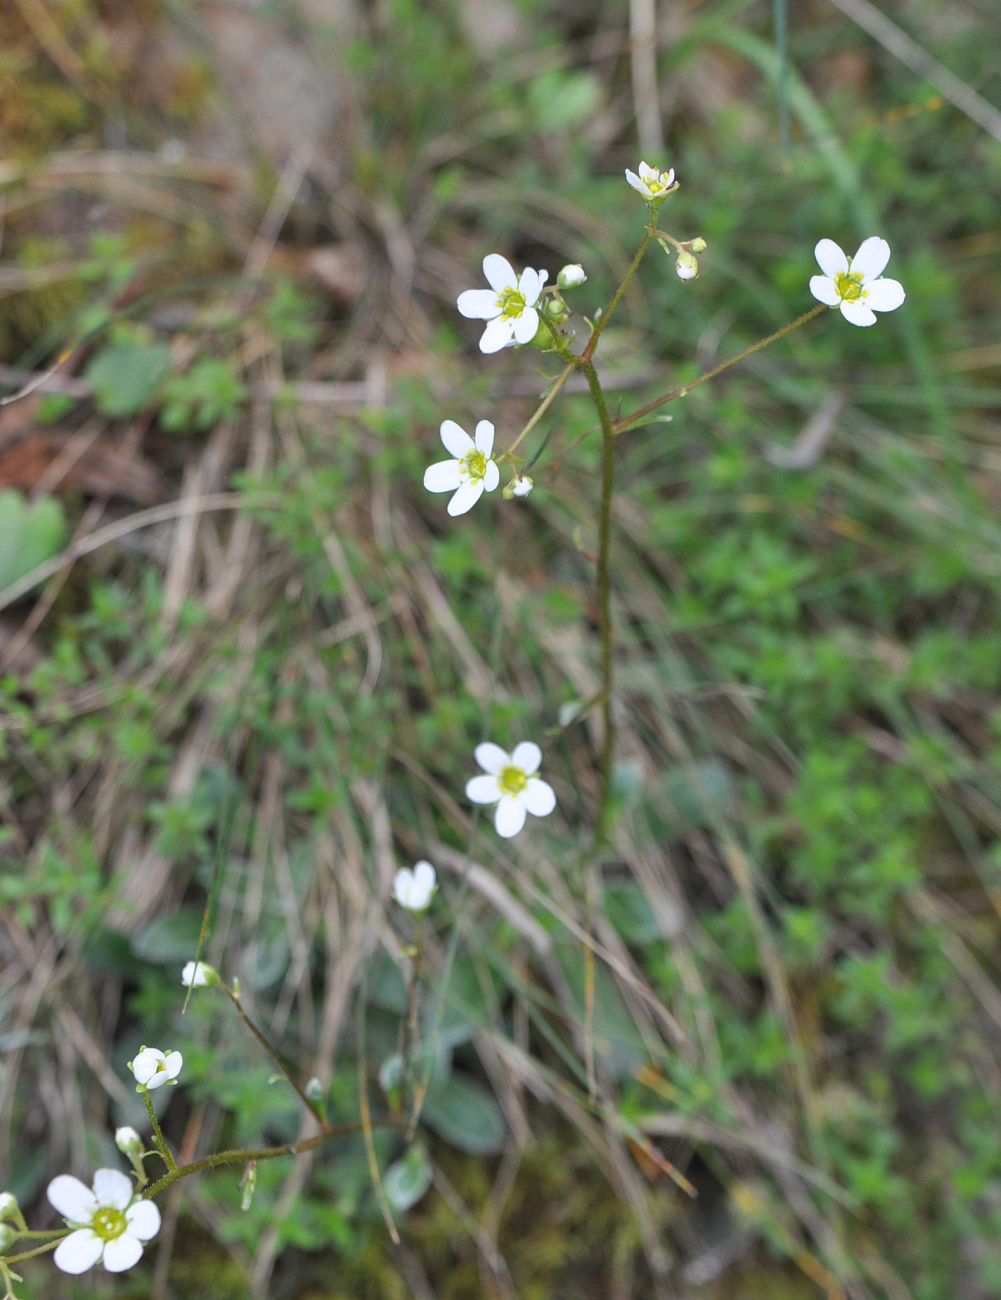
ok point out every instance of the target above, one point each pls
(884, 295)
(466, 497)
(491, 757)
(649, 173)
(526, 325)
(78, 1252)
(144, 1067)
(194, 975)
(143, 1219)
(668, 178)
(74, 1200)
(825, 290)
(484, 437)
(403, 884)
(443, 476)
(122, 1253)
(455, 439)
(424, 875)
(113, 1189)
(497, 335)
(530, 285)
(871, 259)
(172, 1063)
(483, 789)
(499, 272)
(509, 817)
(478, 304)
(858, 313)
(527, 756)
(491, 476)
(636, 183)
(830, 258)
(539, 798)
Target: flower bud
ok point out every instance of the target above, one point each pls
(521, 486)
(698, 245)
(544, 338)
(128, 1141)
(556, 309)
(571, 276)
(9, 1208)
(314, 1089)
(687, 266)
(8, 1236)
(199, 974)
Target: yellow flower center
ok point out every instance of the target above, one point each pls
(512, 780)
(511, 302)
(474, 464)
(108, 1223)
(655, 184)
(849, 285)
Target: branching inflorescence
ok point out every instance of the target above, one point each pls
(111, 1221)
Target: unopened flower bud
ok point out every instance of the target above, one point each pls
(544, 339)
(556, 309)
(128, 1141)
(199, 974)
(521, 486)
(8, 1236)
(698, 244)
(571, 276)
(687, 266)
(9, 1208)
(314, 1089)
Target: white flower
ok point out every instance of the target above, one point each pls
(509, 304)
(571, 276)
(415, 889)
(128, 1141)
(687, 266)
(199, 974)
(154, 1068)
(472, 471)
(854, 284)
(111, 1223)
(522, 485)
(652, 183)
(512, 785)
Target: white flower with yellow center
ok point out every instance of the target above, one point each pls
(471, 472)
(153, 1068)
(509, 304)
(511, 783)
(415, 889)
(110, 1223)
(854, 283)
(652, 183)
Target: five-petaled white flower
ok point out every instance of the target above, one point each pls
(415, 889)
(111, 1224)
(472, 471)
(652, 183)
(509, 304)
(198, 975)
(153, 1068)
(854, 284)
(512, 785)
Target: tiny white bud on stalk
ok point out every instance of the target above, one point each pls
(128, 1141)
(571, 276)
(687, 266)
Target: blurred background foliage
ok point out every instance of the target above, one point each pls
(249, 684)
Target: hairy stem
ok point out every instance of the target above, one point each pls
(628, 421)
(166, 1155)
(238, 1157)
(606, 315)
(604, 594)
(275, 1056)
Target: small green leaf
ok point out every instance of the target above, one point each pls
(124, 376)
(29, 534)
(466, 1115)
(406, 1181)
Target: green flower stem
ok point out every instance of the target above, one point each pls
(272, 1051)
(606, 315)
(238, 1157)
(160, 1141)
(604, 592)
(627, 421)
(544, 406)
(38, 1250)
